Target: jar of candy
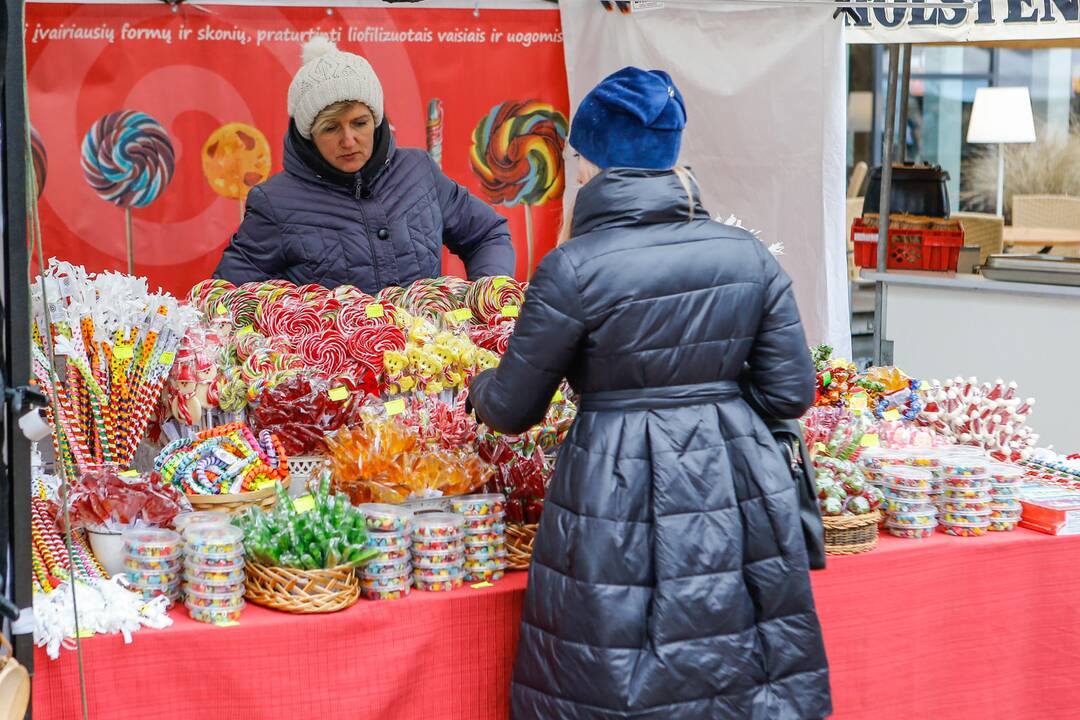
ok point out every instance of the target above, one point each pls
(143, 564)
(484, 523)
(911, 532)
(1003, 474)
(215, 615)
(217, 541)
(907, 477)
(382, 581)
(442, 572)
(954, 517)
(963, 464)
(878, 458)
(966, 529)
(438, 526)
(967, 505)
(216, 600)
(918, 518)
(448, 544)
(382, 518)
(440, 585)
(433, 558)
(152, 543)
(967, 483)
(389, 592)
(214, 576)
(479, 505)
(1009, 491)
(928, 458)
(391, 567)
(388, 540)
(903, 492)
(483, 575)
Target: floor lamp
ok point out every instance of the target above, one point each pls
(1001, 115)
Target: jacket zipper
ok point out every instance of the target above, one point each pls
(367, 234)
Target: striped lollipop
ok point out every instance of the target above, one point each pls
(128, 159)
(517, 154)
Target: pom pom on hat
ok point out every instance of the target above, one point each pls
(328, 76)
(633, 118)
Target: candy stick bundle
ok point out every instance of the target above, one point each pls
(971, 413)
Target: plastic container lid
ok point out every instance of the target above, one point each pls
(236, 597)
(481, 540)
(192, 562)
(929, 526)
(451, 570)
(984, 523)
(211, 535)
(1004, 474)
(388, 541)
(231, 578)
(382, 511)
(196, 610)
(167, 541)
(143, 561)
(904, 473)
(221, 591)
(386, 575)
(186, 519)
(905, 488)
(437, 543)
(879, 453)
(933, 454)
(479, 504)
(438, 524)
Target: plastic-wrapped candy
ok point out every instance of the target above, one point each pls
(104, 496)
(300, 411)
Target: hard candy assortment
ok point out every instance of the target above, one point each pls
(485, 535)
(438, 551)
(966, 500)
(214, 572)
(991, 416)
(152, 562)
(1005, 484)
(909, 501)
(388, 576)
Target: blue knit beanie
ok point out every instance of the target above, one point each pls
(634, 118)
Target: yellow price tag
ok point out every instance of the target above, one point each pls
(130, 473)
(374, 310)
(511, 311)
(85, 634)
(499, 282)
(303, 504)
(858, 403)
(264, 484)
(459, 315)
(124, 352)
(221, 309)
(166, 358)
(247, 329)
(395, 407)
(870, 440)
(558, 396)
(339, 393)
(892, 415)
(820, 449)
(480, 585)
(226, 623)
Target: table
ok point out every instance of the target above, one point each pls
(1045, 238)
(963, 628)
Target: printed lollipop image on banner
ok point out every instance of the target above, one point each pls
(434, 128)
(128, 159)
(517, 154)
(40, 159)
(236, 158)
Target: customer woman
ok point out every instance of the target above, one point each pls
(669, 573)
(350, 206)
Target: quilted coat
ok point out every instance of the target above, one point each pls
(303, 228)
(669, 576)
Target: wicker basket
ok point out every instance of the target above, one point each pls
(851, 534)
(302, 591)
(519, 545)
(266, 497)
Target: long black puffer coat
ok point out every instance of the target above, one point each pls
(669, 576)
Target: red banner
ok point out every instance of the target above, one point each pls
(206, 84)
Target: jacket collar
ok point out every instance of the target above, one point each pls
(302, 160)
(619, 197)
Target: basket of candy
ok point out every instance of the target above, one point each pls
(849, 506)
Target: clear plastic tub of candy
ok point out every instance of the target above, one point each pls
(902, 492)
(172, 592)
(485, 523)
(433, 558)
(978, 516)
(215, 615)
(382, 581)
(965, 529)
(152, 543)
(977, 483)
(214, 565)
(211, 589)
(153, 577)
(492, 562)
(441, 585)
(141, 563)
(880, 457)
(448, 544)
(965, 463)
(399, 567)
(496, 540)
(1006, 506)
(220, 601)
(911, 532)
(1010, 491)
(392, 555)
(395, 592)
(493, 534)
(184, 520)
(907, 477)
(438, 526)
(967, 505)
(432, 574)
(893, 506)
(1004, 525)
(1005, 474)
(382, 518)
(214, 576)
(922, 457)
(484, 575)
(918, 518)
(388, 541)
(211, 540)
(479, 505)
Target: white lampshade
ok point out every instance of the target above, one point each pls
(1001, 115)
(860, 110)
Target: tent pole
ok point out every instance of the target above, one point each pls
(882, 347)
(904, 81)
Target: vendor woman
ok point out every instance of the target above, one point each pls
(351, 207)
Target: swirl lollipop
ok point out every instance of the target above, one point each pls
(128, 159)
(517, 154)
(40, 158)
(434, 127)
(236, 158)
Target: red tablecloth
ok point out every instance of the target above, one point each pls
(978, 628)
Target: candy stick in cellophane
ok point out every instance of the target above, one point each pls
(115, 343)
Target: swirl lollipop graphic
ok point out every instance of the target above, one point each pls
(517, 154)
(39, 157)
(236, 158)
(128, 159)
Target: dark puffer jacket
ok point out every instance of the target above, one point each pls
(669, 577)
(302, 228)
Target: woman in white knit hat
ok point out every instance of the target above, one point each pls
(351, 207)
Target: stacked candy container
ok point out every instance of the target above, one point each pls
(438, 551)
(214, 572)
(909, 504)
(1005, 507)
(191, 518)
(387, 576)
(152, 562)
(485, 535)
(966, 503)
(876, 459)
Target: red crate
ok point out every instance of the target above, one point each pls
(909, 249)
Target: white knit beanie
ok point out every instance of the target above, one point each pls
(327, 76)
